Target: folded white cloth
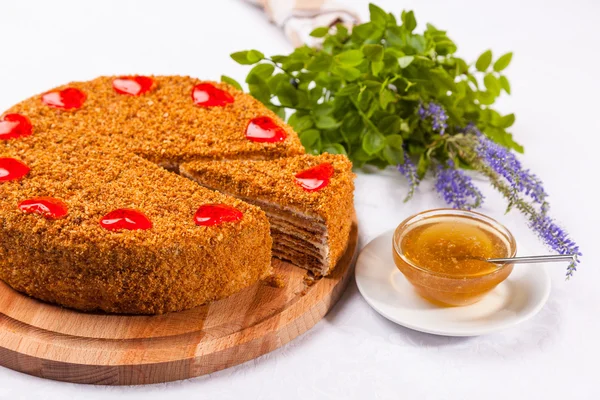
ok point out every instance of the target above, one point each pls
(298, 18)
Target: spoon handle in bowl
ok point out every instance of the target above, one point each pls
(534, 259)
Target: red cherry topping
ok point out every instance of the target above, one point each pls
(132, 85)
(14, 126)
(49, 207)
(11, 169)
(66, 99)
(207, 95)
(214, 214)
(315, 178)
(125, 218)
(264, 129)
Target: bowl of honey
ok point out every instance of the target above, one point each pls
(442, 254)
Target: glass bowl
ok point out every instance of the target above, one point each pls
(454, 289)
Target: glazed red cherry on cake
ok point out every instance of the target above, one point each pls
(315, 178)
(48, 207)
(12, 169)
(125, 218)
(264, 130)
(66, 99)
(215, 214)
(208, 95)
(14, 126)
(133, 85)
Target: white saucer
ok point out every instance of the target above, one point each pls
(385, 288)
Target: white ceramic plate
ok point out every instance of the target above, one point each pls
(385, 288)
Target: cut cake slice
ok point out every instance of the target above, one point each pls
(308, 201)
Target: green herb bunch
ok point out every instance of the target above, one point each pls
(359, 93)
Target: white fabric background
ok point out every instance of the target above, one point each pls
(354, 353)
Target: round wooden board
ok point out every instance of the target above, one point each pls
(61, 344)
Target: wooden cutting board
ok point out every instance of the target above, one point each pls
(62, 344)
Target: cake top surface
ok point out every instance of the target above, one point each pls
(164, 125)
(284, 181)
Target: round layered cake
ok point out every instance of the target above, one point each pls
(91, 214)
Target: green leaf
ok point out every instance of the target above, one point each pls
(503, 62)
(393, 156)
(486, 98)
(319, 63)
(287, 94)
(405, 61)
(423, 166)
(301, 124)
(395, 141)
(507, 120)
(373, 142)
(310, 138)
(377, 15)
(248, 57)
(327, 122)
(352, 127)
(232, 82)
(386, 97)
(350, 58)
(334, 148)
(322, 109)
(274, 81)
(377, 67)
(348, 90)
(484, 61)
(279, 59)
(373, 52)
(504, 84)
(408, 20)
(389, 125)
(346, 73)
(492, 84)
(363, 31)
(320, 32)
(259, 89)
(263, 70)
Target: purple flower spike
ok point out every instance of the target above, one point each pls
(409, 170)
(436, 114)
(506, 164)
(555, 238)
(456, 188)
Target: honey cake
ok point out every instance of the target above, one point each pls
(89, 220)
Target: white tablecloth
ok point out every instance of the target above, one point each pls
(354, 353)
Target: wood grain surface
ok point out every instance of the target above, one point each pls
(62, 344)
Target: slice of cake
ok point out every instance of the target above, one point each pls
(308, 201)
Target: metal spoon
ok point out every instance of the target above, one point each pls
(534, 259)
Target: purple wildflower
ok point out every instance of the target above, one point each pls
(555, 238)
(436, 114)
(505, 163)
(409, 170)
(457, 188)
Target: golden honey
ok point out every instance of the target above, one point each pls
(442, 253)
